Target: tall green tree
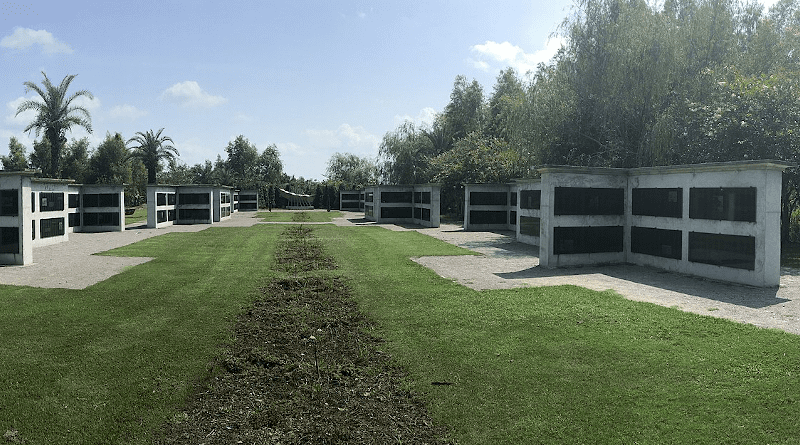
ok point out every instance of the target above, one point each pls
(242, 162)
(406, 152)
(56, 113)
(16, 159)
(40, 157)
(152, 148)
(110, 162)
(508, 91)
(76, 160)
(270, 167)
(349, 171)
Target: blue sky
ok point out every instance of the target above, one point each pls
(312, 77)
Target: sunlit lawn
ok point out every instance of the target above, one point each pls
(113, 362)
(299, 216)
(140, 215)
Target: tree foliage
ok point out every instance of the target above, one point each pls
(636, 84)
(75, 160)
(56, 113)
(16, 159)
(152, 148)
(110, 162)
(347, 171)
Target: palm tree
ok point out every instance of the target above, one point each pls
(55, 115)
(151, 149)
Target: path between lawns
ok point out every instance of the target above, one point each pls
(505, 263)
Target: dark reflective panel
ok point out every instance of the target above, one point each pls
(589, 201)
(9, 240)
(104, 218)
(202, 198)
(735, 251)
(194, 214)
(51, 201)
(488, 198)
(9, 202)
(396, 197)
(657, 242)
(724, 204)
(572, 240)
(530, 199)
(51, 227)
(529, 225)
(665, 202)
(488, 217)
(73, 200)
(397, 212)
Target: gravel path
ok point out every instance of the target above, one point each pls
(503, 263)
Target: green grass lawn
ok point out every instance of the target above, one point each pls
(299, 216)
(113, 362)
(139, 216)
(569, 365)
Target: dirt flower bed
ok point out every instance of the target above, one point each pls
(303, 368)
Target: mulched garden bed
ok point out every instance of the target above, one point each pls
(303, 368)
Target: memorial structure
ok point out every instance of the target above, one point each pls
(718, 220)
(248, 200)
(188, 204)
(297, 201)
(414, 204)
(40, 211)
(351, 200)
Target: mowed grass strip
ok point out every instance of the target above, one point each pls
(139, 216)
(317, 216)
(111, 363)
(566, 364)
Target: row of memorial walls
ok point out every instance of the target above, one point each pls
(417, 204)
(490, 207)
(195, 205)
(223, 203)
(248, 200)
(49, 211)
(720, 221)
(351, 200)
(162, 205)
(582, 216)
(96, 208)
(529, 202)
(187, 204)
(38, 212)
(427, 205)
(14, 231)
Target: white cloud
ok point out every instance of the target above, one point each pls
(424, 118)
(511, 55)
(190, 95)
(289, 148)
(24, 38)
(126, 112)
(21, 120)
(346, 137)
(91, 105)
